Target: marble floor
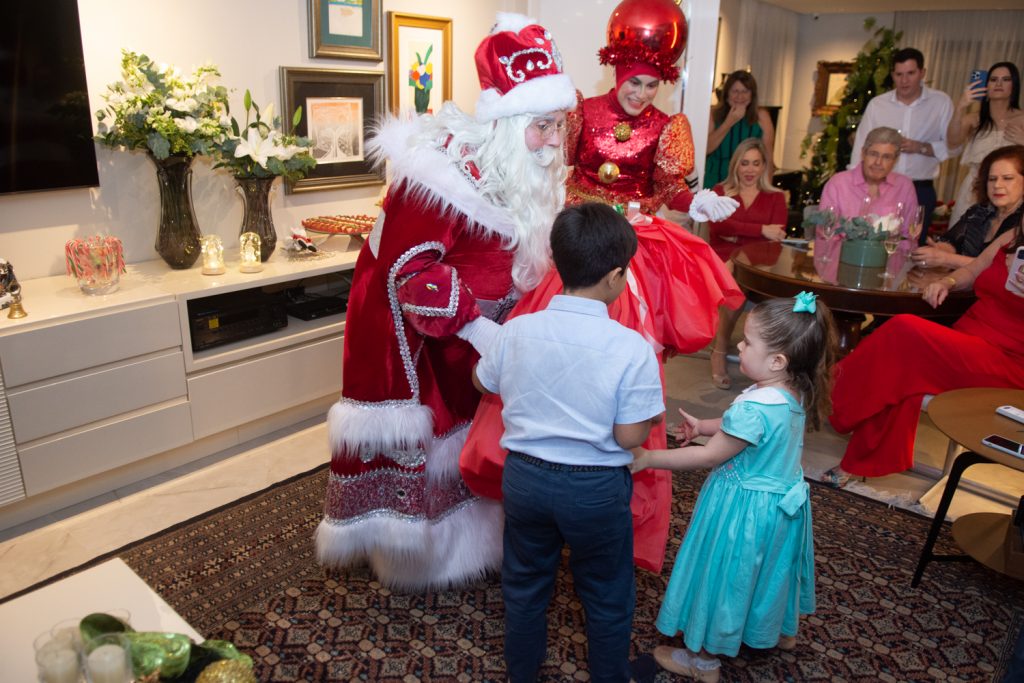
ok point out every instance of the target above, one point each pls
(39, 549)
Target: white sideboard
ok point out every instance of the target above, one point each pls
(97, 392)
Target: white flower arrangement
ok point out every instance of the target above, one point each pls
(157, 108)
(264, 151)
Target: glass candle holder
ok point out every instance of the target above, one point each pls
(249, 250)
(213, 255)
(107, 659)
(96, 262)
(57, 657)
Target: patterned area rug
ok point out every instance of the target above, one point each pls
(247, 573)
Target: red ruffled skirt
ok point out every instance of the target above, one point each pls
(676, 284)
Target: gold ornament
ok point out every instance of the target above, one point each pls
(608, 172)
(227, 671)
(622, 131)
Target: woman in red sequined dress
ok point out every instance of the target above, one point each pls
(624, 150)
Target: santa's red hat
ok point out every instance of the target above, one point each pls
(520, 71)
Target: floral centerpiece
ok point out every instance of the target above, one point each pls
(862, 235)
(256, 155)
(173, 118)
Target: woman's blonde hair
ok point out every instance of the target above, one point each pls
(731, 184)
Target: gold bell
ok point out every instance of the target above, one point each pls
(622, 131)
(17, 310)
(608, 172)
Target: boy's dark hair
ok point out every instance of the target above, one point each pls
(907, 53)
(589, 241)
(808, 340)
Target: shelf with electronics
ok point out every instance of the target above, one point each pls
(102, 391)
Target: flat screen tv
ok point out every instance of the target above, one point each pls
(45, 123)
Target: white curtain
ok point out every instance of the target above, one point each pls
(766, 40)
(954, 44)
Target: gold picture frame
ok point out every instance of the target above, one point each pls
(415, 41)
(345, 29)
(829, 86)
(338, 108)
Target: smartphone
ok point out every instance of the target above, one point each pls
(1013, 269)
(978, 77)
(1001, 443)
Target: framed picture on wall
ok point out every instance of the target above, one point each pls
(338, 107)
(419, 62)
(829, 85)
(345, 29)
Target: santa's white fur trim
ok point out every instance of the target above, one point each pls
(416, 556)
(511, 21)
(541, 95)
(443, 459)
(431, 176)
(353, 426)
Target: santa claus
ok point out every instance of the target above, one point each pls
(463, 231)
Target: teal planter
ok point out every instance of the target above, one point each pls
(864, 253)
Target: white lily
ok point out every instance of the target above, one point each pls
(268, 114)
(256, 147)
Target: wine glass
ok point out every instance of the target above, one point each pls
(891, 243)
(828, 230)
(865, 205)
(915, 225)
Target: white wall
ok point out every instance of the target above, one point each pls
(831, 38)
(248, 40)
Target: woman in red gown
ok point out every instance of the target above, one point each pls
(625, 150)
(879, 387)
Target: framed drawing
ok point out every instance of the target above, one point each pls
(337, 108)
(345, 29)
(829, 85)
(419, 62)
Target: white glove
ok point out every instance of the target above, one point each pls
(709, 206)
(480, 332)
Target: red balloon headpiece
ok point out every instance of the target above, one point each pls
(648, 32)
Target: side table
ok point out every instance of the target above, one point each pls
(967, 416)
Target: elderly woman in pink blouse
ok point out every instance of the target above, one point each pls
(871, 187)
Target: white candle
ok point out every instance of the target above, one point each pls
(58, 665)
(107, 664)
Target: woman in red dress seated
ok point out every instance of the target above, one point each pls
(760, 217)
(879, 387)
(624, 149)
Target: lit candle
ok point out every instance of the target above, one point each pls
(213, 255)
(107, 664)
(58, 665)
(249, 248)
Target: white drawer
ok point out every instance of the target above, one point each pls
(225, 398)
(83, 453)
(71, 346)
(76, 401)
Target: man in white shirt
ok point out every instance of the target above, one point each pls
(921, 115)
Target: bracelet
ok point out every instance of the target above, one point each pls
(952, 281)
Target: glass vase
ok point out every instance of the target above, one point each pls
(256, 217)
(177, 237)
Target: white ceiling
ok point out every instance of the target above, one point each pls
(865, 6)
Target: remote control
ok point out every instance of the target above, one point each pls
(1011, 412)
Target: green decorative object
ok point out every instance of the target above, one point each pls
(829, 149)
(863, 253)
(163, 653)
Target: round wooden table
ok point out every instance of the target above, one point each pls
(766, 270)
(967, 416)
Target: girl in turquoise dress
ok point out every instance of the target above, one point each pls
(745, 571)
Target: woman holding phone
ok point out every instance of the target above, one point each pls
(999, 122)
(879, 387)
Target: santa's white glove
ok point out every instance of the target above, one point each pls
(480, 332)
(709, 206)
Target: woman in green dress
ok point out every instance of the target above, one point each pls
(735, 118)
